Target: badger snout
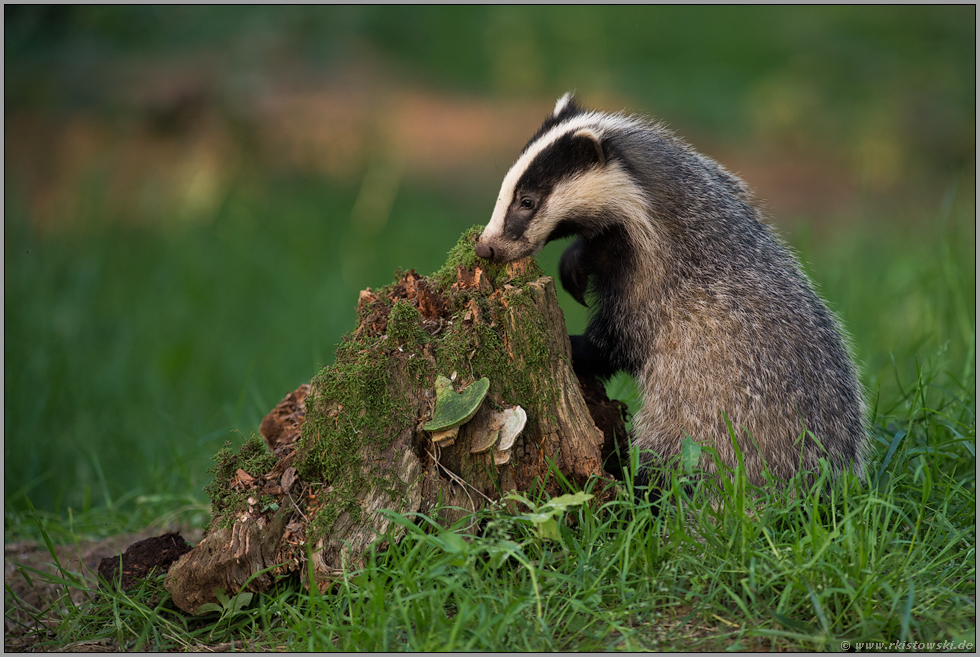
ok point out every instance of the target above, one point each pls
(503, 250)
(484, 250)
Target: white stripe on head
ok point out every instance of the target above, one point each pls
(596, 121)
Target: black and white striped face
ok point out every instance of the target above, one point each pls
(562, 184)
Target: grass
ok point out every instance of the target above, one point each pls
(891, 559)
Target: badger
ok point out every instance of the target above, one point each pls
(690, 292)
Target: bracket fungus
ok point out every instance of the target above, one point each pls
(455, 408)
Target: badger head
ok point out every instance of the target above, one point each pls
(564, 182)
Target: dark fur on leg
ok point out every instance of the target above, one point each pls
(588, 360)
(573, 273)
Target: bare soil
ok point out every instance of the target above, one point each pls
(34, 600)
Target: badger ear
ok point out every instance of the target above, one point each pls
(566, 108)
(565, 104)
(592, 142)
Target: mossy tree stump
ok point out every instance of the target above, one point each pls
(351, 443)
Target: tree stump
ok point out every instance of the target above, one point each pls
(351, 443)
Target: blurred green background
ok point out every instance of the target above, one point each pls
(194, 196)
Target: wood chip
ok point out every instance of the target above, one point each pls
(289, 478)
(242, 479)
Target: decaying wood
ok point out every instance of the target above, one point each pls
(445, 479)
(227, 559)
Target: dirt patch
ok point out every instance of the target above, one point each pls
(36, 596)
(142, 559)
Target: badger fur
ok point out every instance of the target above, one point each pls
(690, 292)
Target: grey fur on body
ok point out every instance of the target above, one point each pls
(690, 292)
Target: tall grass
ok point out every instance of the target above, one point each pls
(722, 566)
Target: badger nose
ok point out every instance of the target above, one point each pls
(483, 250)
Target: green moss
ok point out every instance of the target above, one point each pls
(478, 350)
(497, 273)
(254, 458)
(352, 404)
(461, 254)
(358, 385)
(531, 342)
(321, 522)
(421, 370)
(405, 324)
(223, 469)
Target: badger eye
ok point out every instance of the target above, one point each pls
(527, 203)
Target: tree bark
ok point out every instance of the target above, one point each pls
(312, 497)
